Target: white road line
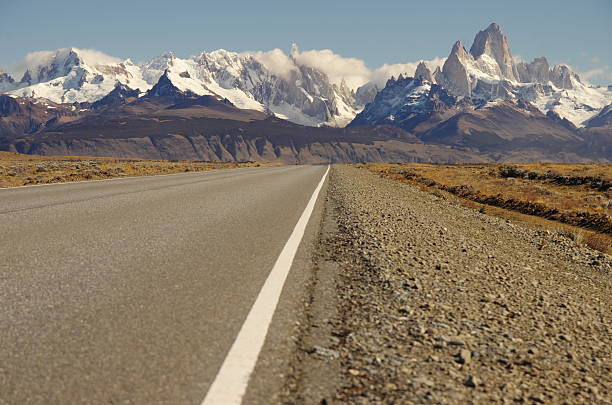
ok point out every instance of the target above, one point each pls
(233, 378)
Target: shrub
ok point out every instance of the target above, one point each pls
(597, 241)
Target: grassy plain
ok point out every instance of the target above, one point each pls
(575, 199)
(21, 170)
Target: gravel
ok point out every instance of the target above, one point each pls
(441, 304)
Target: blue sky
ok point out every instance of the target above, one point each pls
(575, 32)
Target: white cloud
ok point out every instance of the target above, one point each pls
(275, 61)
(354, 71)
(592, 73)
(33, 60)
(94, 57)
(383, 73)
(601, 74)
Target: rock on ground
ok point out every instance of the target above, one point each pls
(440, 304)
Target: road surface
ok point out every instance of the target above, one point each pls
(133, 290)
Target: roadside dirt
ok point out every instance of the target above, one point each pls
(22, 170)
(437, 303)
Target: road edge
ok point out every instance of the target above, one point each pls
(232, 384)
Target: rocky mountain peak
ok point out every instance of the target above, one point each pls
(366, 93)
(538, 71)
(120, 94)
(484, 79)
(492, 42)
(5, 77)
(57, 64)
(454, 71)
(494, 28)
(165, 88)
(458, 50)
(7, 83)
(422, 72)
(405, 103)
(344, 90)
(540, 61)
(563, 77)
(120, 87)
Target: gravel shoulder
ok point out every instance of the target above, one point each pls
(436, 303)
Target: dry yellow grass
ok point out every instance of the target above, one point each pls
(19, 170)
(575, 170)
(576, 198)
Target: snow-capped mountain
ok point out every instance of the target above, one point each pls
(406, 102)
(72, 75)
(486, 73)
(291, 88)
(296, 92)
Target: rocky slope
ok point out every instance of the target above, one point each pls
(20, 116)
(437, 303)
(602, 119)
(174, 134)
(167, 123)
(501, 125)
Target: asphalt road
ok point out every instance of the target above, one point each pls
(133, 290)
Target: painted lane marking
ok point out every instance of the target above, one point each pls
(232, 380)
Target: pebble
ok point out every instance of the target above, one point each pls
(325, 352)
(473, 305)
(472, 382)
(465, 356)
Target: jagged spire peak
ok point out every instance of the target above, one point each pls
(295, 50)
(494, 27)
(492, 42)
(457, 46)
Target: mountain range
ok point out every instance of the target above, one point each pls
(277, 84)
(478, 105)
